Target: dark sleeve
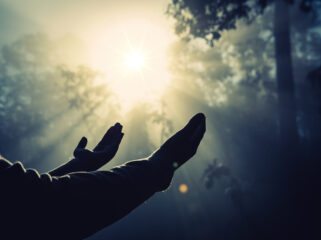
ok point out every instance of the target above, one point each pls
(77, 205)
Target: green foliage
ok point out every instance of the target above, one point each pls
(209, 18)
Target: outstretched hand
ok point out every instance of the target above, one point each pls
(87, 160)
(106, 149)
(178, 149)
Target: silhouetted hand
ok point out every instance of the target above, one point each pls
(87, 160)
(106, 149)
(179, 148)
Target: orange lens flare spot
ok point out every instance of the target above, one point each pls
(183, 188)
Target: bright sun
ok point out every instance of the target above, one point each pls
(134, 60)
(132, 55)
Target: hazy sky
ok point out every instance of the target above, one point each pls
(104, 33)
(77, 16)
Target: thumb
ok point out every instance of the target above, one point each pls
(82, 143)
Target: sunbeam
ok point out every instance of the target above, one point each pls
(132, 54)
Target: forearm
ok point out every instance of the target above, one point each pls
(64, 169)
(77, 205)
(95, 200)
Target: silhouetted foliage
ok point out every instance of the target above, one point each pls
(213, 172)
(37, 93)
(207, 19)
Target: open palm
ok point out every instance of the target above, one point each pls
(106, 149)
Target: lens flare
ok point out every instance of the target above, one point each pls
(183, 188)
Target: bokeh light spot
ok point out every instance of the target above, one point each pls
(175, 164)
(183, 188)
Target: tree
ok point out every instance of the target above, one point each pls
(44, 99)
(208, 19)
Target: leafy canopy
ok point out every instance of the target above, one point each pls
(208, 18)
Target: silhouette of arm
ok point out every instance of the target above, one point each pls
(77, 205)
(97, 199)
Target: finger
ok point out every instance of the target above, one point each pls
(118, 139)
(109, 136)
(105, 138)
(118, 127)
(198, 134)
(82, 143)
(116, 132)
(113, 148)
(195, 121)
(191, 126)
(199, 130)
(110, 150)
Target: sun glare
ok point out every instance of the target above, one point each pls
(134, 60)
(132, 54)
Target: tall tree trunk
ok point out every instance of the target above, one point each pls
(287, 168)
(286, 97)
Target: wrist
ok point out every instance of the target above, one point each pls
(64, 169)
